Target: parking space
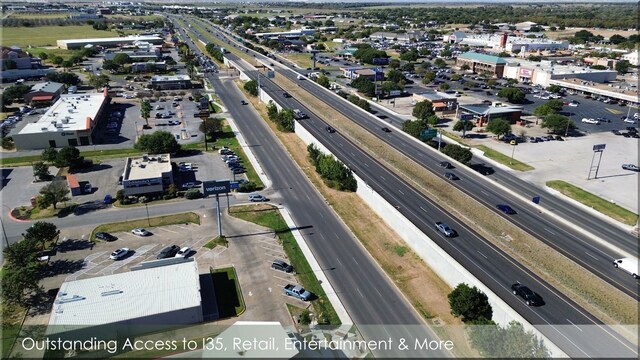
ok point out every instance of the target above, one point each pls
(103, 178)
(204, 167)
(19, 186)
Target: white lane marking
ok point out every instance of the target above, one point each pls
(591, 255)
(354, 260)
(400, 191)
(423, 209)
(484, 192)
(383, 179)
(359, 292)
(549, 231)
(577, 327)
(483, 255)
(378, 291)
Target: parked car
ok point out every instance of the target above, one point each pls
(140, 232)
(105, 236)
(257, 198)
(184, 252)
(506, 209)
(590, 121)
(530, 297)
(168, 252)
(281, 265)
(119, 254)
(631, 167)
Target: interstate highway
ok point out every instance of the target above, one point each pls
(489, 264)
(590, 254)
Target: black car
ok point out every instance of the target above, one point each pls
(286, 94)
(386, 129)
(450, 176)
(238, 170)
(282, 266)
(330, 129)
(105, 236)
(446, 164)
(506, 209)
(168, 252)
(530, 297)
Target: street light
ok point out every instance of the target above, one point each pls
(513, 144)
(148, 220)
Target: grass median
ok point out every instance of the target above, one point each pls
(125, 226)
(225, 281)
(599, 204)
(269, 216)
(504, 159)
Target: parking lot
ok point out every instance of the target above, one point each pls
(251, 250)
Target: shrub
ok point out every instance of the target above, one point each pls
(193, 194)
(248, 186)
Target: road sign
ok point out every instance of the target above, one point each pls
(428, 134)
(216, 187)
(599, 147)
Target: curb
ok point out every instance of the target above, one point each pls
(318, 271)
(13, 218)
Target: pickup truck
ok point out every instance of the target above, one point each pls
(445, 229)
(297, 291)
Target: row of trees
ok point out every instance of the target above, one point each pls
(361, 103)
(21, 271)
(284, 119)
(159, 142)
(491, 340)
(215, 52)
(335, 174)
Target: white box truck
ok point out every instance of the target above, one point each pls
(629, 265)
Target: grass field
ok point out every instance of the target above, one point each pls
(225, 281)
(597, 203)
(31, 15)
(47, 35)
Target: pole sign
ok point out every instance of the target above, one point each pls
(466, 117)
(216, 187)
(235, 185)
(599, 147)
(380, 61)
(201, 115)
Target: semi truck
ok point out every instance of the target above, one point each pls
(629, 265)
(296, 291)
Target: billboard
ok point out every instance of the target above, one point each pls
(216, 187)
(380, 61)
(466, 117)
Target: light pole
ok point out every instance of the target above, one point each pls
(148, 220)
(513, 144)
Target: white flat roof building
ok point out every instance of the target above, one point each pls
(68, 122)
(107, 42)
(147, 174)
(512, 43)
(158, 296)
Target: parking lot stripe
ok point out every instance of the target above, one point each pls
(171, 231)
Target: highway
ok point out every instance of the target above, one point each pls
(494, 268)
(540, 221)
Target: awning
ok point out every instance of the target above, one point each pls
(42, 98)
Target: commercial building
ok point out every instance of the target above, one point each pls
(479, 63)
(107, 42)
(293, 34)
(161, 82)
(147, 174)
(439, 101)
(631, 57)
(148, 298)
(44, 94)
(68, 122)
(148, 66)
(135, 54)
(357, 72)
(482, 114)
(15, 74)
(507, 43)
(15, 55)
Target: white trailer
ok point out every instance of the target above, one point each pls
(629, 265)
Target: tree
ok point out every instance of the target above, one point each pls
(69, 156)
(54, 193)
(433, 120)
(43, 56)
(511, 342)
(40, 170)
(444, 87)
(98, 81)
(465, 67)
(409, 66)
(145, 110)
(394, 64)
(557, 123)
(211, 126)
(49, 155)
(554, 88)
(468, 84)
(121, 59)
(469, 303)
(464, 126)
(499, 127)
(110, 65)
(411, 55)
(364, 86)
(159, 142)
(285, 121)
(395, 76)
(57, 60)
(413, 128)
(512, 95)
(272, 111)
(41, 232)
(440, 63)
(16, 92)
(622, 66)
(323, 81)
(446, 53)
(455, 77)
(552, 106)
(20, 283)
(423, 110)
(67, 78)
(617, 39)
(251, 87)
(458, 152)
(428, 77)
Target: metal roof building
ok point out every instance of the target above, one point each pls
(107, 42)
(134, 302)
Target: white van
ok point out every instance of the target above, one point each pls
(629, 265)
(300, 77)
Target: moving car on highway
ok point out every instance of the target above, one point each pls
(530, 297)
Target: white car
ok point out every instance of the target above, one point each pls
(590, 121)
(119, 254)
(140, 232)
(184, 252)
(629, 120)
(573, 104)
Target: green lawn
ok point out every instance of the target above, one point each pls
(63, 53)
(47, 35)
(597, 203)
(504, 159)
(269, 216)
(228, 292)
(32, 15)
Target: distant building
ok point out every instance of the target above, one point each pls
(21, 59)
(631, 57)
(147, 174)
(479, 63)
(84, 16)
(107, 42)
(153, 296)
(70, 121)
(136, 55)
(456, 37)
(439, 101)
(525, 26)
(357, 72)
(483, 114)
(174, 82)
(293, 34)
(44, 93)
(509, 44)
(148, 66)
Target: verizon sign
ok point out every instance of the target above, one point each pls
(216, 187)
